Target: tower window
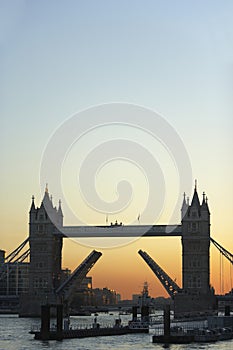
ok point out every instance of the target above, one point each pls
(36, 283)
(194, 281)
(40, 228)
(40, 264)
(193, 227)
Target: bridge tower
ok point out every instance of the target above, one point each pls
(45, 255)
(196, 296)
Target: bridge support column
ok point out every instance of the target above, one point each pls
(45, 321)
(45, 272)
(59, 320)
(196, 296)
(166, 320)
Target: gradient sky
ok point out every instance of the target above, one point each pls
(174, 57)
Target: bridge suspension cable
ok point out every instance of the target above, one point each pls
(15, 257)
(15, 252)
(222, 250)
(23, 256)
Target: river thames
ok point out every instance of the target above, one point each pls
(14, 335)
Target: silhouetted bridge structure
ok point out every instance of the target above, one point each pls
(122, 231)
(47, 233)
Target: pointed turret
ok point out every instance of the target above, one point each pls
(59, 208)
(46, 195)
(204, 205)
(33, 211)
(184, 206)
(47, 201)
(203, 198)
(60, 214)
(47, 205)
(33, 208)
(195, 200)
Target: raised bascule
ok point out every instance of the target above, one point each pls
(49, 284)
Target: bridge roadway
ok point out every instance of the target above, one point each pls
(121, 231)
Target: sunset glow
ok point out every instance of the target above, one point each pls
(171, 59)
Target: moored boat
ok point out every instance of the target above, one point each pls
(85, 333)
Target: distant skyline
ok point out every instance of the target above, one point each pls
(175, 58)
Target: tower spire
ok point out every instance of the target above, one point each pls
(204, 198)
(47, 201)
(59, 204)
(204, 206)
(60, 214)
(33, 204)
(59, 208)
(46, 193)
(195, 199)
(184, 206)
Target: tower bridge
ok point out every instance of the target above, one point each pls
(47, 282)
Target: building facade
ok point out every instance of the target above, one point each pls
(45, 240)
(197, 296)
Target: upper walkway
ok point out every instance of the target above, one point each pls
(119, 230)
